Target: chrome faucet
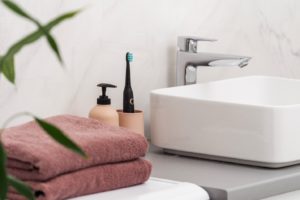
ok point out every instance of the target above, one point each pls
(188, 59)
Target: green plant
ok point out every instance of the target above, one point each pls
(7, 68)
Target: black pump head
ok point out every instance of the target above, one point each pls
(103, 99)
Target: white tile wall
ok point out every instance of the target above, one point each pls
(95, 42)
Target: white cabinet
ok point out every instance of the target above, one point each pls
(154, 188)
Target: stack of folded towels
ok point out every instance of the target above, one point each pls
(55, 173)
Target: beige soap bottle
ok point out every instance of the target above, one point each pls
(103, 110)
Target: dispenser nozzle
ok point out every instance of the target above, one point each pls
(103, 99)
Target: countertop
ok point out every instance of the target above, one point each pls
(225, 181)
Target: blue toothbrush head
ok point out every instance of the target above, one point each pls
(129, 57)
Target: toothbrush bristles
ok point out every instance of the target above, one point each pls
(129, 57)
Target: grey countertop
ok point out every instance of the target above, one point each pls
(225, 181)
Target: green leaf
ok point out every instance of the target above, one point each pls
(14, 49)
(14, 7)
(54, 46)
(1, 64)
(8, 68)
(21, 187)
(3, 174)
(38, 34)
(59, 136)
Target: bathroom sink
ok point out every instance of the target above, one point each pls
(250, 120)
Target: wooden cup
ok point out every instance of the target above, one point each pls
(132, 121)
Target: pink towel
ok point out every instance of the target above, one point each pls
(34, 156)
(90, 180)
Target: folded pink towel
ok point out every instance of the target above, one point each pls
(90, 180)
(33, 155)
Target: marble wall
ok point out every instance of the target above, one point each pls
(94, 44)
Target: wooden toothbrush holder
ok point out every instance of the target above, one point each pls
(132, 121)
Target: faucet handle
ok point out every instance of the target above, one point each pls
(189, 43)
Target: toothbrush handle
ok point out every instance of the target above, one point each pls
(128, 100)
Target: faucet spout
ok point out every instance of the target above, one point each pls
(188, 61)
(242, 62)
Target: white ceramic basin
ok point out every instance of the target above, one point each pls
(252, 120)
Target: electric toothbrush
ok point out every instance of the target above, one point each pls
(128, 100)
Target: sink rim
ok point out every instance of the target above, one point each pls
(160, 92)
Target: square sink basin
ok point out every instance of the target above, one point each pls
(249, 120)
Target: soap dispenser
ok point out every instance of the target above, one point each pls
(103, 110)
